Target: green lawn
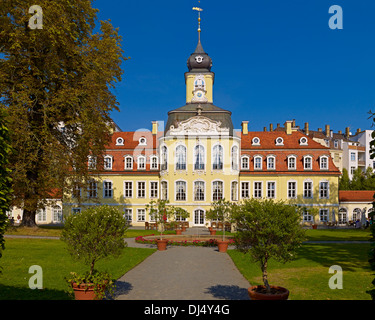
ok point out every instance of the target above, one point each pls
(338, 234)
(307, 277)
(56, 263)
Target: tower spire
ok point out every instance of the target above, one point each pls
(199, 48)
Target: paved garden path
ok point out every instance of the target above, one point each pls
(183, 273)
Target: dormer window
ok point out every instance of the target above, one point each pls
(141, 163)
(292, 163)
(303, 141)
(271, 163)
(307, 163)
(257, 163)
(323, 161)
(128, 163)
(119, 141)
(256, 141)
(279, 141)
(108, 160)
(142, 141)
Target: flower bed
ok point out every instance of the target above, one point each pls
(180, 241)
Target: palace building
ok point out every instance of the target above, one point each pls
(198, 157)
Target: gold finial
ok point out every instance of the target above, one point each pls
(199, 21)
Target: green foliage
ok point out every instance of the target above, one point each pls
(160, 211)
(360, 180)
(267, 229)
(5, 180)
(221, 211)
(59, 75)
(344, 181)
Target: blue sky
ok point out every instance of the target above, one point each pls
(273, 60)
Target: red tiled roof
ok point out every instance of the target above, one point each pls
(356, 195)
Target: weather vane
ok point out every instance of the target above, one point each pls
(199, 21)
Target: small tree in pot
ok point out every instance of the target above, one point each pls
(92, 235)
(160, 211)
(267, 229)
(221, 211)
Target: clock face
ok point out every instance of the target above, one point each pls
(199, 59)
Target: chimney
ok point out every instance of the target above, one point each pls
(347, 132)
(278, 125)
(320, 129)
(327, 130)
(154, 127)
(288, 127)
(358, 131)
(271, 127)
(264, 129)
(293, 123)
(307, 128)
(340, 132)
(245, 127)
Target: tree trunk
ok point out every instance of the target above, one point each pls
(264, 276)
(28, 219)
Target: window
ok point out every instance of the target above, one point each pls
(198, 191)
(291, 162)
(258, 190)
(181, 190)
(323, 214)
(258, 163)
(128, 189)
(164, 158)
(142, 141)
(279, 141)
(324, 163)
(234, 191)
(336, 143)
(307, 217)
(245, 192)
(323, 190)
(154, 162)
(119, 142)
(92, 163)
(217, 163)
(181, 158)
(128, 163)
(292, 189)
(352, 170)
(141, 189)
(108, 163)
(199, 157)
(41, 215)
(303, 141)
(164, 190)
(141, 215)
(356, 214)
(234, 158)
(352, 156)
(327, 142)
(76, 210)
(256, 141)
(128, 215)
(107, 189)
(271, 189)
(245, 163)
(307, 163)
(76, 193)
(141, 163)
(153, 189)
(57, 214)
(307, 189)
(92, 191)
(199, 217)
(217, 190)
(342, 216)
(271, 163)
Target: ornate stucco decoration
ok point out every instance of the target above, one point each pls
(198, 125)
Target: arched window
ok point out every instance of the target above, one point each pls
(199, 157)
(108, 160)
(181, 158)
(199, 191)
(217, 155)
(234, 158)
(234, 191)
(57, 214)
(342, 216)
(217, 190)
(164, 158)
(356, 214)
(180, 190)
(164, 190)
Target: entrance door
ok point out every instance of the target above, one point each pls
(199, 217)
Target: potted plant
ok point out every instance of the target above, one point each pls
(181, 215)
(161, 212)
(267, 229)
(313, 212)
(221, 211)
(90, 236)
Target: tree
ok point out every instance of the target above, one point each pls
(344, 181)
(5, 182)
(221, 211)
(267, 229)
(56, 86)
(160, 211)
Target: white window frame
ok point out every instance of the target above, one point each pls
(183, 165)
(323, 215)
(108, 165)
(184, 183)
(41, 215)
(126, 162)
(324, 190)
(213, 190)
(195, 189)
(279, 141)
(139, 163)
(305, 190)
(91, 162)
(305, 162)
(247, 190)
(142, 141)
(269, 191)
(127, 214)
(154, 165)
(162, 188)
(321, 162)
(199, 166)
(269, 162)
(246, 166)
(141, 215)
(258, 192)
(106, 189)
(140, 189)
(289, 190)
(120, 141)
(127, 190)
(57, 213)
(255, 141)
(294, 162)
(92, 192)
(164, 157)
(153, 190)
(215, 157)
(258, 165)
(234, 192)
(235, 158)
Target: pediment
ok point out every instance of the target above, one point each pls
(198, 125)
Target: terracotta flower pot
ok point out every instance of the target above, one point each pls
(222, 245)
(162, 244)
(314, 226)
(212, 232)
(178, 231)
(85, 291)
(280, 293)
